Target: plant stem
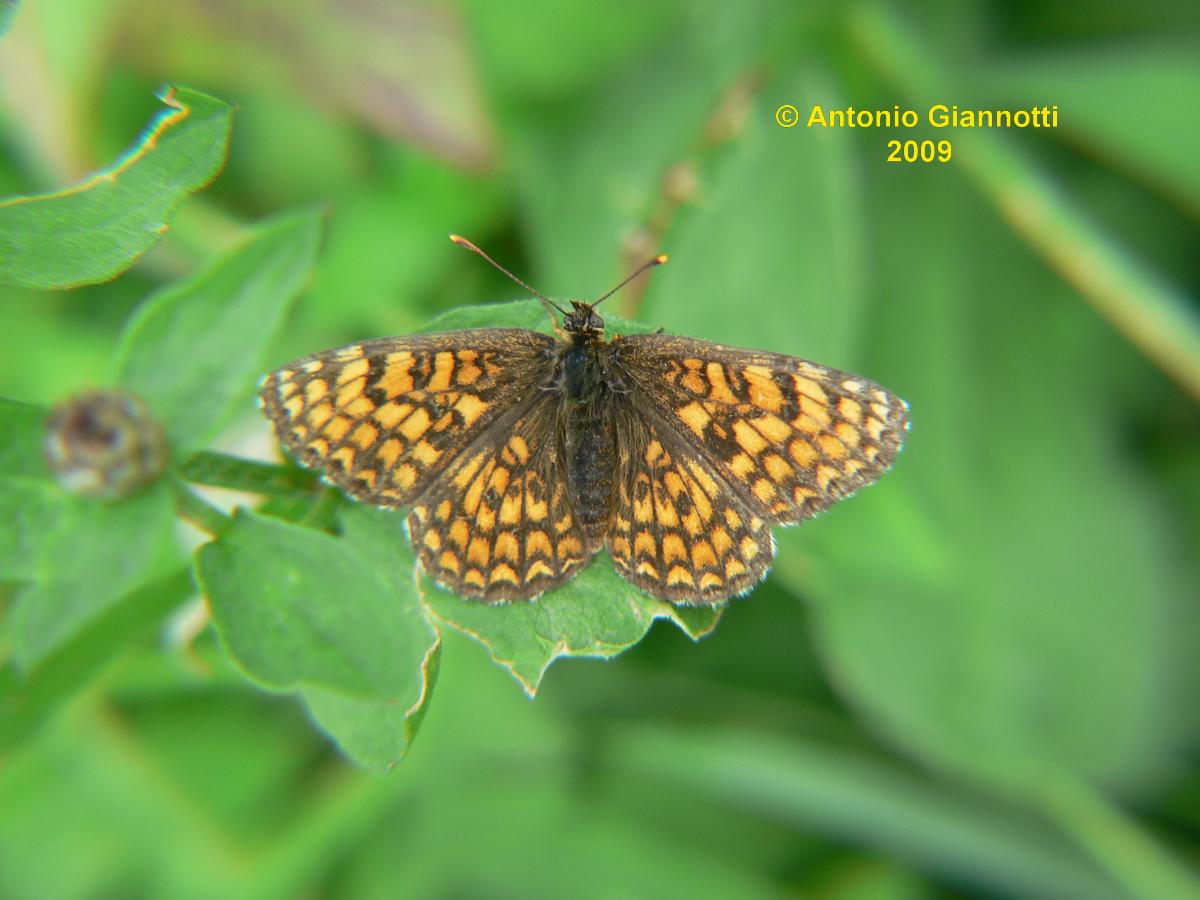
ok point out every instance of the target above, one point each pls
(235, 473)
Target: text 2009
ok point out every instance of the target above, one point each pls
(919, 151)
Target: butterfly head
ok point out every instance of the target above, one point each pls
(583, 319)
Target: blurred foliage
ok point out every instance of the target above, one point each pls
(976, 679)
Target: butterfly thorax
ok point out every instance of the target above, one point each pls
(586, 418)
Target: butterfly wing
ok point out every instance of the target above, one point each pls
(680, 530)
(498, 525)
(385, 418)
(719, 444)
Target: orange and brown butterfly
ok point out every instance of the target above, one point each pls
(520, 455)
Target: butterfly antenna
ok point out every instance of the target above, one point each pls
(649, 264)
(463, 242)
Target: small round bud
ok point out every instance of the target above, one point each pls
(104, 444)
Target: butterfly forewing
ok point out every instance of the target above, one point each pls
(384, 419)
(789, 437)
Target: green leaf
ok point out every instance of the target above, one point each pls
(194, 349)
(8, 9)
(97, 229)
(595, 614)
(337, 619)
(21, 434)
(92, 555)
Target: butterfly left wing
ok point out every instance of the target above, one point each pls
(384, 418)
(499, 525)
(791, 437)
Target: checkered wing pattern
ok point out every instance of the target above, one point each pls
(385, 418)
(498, 524)
(788, 438)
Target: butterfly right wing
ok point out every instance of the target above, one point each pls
(385, 418)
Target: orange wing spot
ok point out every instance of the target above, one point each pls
(691, 522)
(882, 410)
(470, 407)
(313, 367)
(390, 414)
(749, 439)
(848, 434)
(510, 509)
(443, 371)
(389, 452)
(815, 410)
(359, 407)
(519, 448)
(474, 577)
(619, 547)
(777, 467)
(432, 540)
(499, 480)
(668, 515)
(741, 465)
(425, 453)
(802, 495)
(871, 452)
(850, 410)
(345, 456)
(319, 415)
(653, 451)
(466, 474)
(645, 567)
(443, 511)
(479, 552)
(749, 548)
(732, 519)
(673, 482)
(538, 542)
(710, 580)
(764, 392)
(503, 572)
(718, 384)
(703, 556)
(721, 541)
(875, 428)
(460, 532)
(680, 575)
(365, 436)
(643, 544)
(694, 417)
(806, 387)
(507, 546)
(673, 548)
(702, 505)
(485, 518)
(356, 369)
(319, 446)
(299, 432)
(852, 466)
(854, 387)
(294, 406)
(404, 476)
(284, 375)
(692, 380)
(474, 493)
(802, 452)
(764, 490)
(350, 391)
(734, 567)
(569, 548)
(337, 427)
(468, 372)
(705, 481)
(397, 377)
(831, 446)
(773, 428)
(416, 424)
(535, 509)
(286, 389)
(536, 568)
(826, 474)
(449, 562)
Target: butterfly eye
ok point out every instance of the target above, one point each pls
(595, 322)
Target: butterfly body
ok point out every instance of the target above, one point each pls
(521, 455)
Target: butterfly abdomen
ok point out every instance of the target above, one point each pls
(589, 447)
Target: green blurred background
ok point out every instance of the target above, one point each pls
(978, 678)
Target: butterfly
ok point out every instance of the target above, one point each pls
(520, 455)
